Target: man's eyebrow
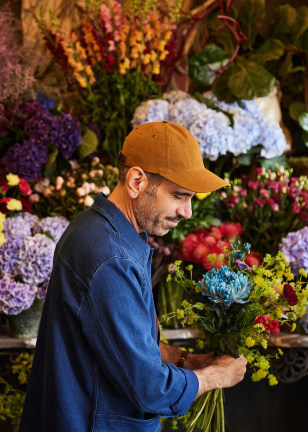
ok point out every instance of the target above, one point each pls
(183, 193)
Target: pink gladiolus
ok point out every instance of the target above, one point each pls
(258, 202)
(264, 192)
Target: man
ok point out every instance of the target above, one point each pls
(98, 365)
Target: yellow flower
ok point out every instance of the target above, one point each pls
(153, 55)
(272, 380)
(264, 364)
(81, 80)
(179, 313)
(14, 204)
(250, 342)
(2, 239)
(201, 196)
(146, 59)
(161, 45)
(12, 179)
(293, 327)
(264, 343)
(2, 217)
(163, 55)
(303, 272)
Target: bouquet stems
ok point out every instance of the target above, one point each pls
(207, 413)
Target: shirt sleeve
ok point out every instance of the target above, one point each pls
(117, 323)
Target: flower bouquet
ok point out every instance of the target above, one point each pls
(237, 308)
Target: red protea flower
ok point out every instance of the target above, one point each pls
(231, 230)
(254, 258)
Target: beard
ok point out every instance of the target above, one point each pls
(148, 215)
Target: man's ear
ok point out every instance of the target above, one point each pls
(136, 181)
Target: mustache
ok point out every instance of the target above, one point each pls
(175, 219)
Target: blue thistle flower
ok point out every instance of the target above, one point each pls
(224, 285)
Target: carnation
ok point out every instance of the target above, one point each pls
(295, 248)
(15, 296)
(289, 294)
(35, 259)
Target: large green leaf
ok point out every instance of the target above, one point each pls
(50, 166)
(273, 162)
(296, 109)
(300, 26)
(284, 18)
(222, 89)
(272, 49)
(303, 120)
(212, 56)
(88, 145)
(251, 18)
(250, 80)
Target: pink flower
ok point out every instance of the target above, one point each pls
(24, 187)
(88, 201)
(269, 201)
(243, 192)
(59, 182)
(34, 198)
(296, 207)
(275, 207)
(254, 184)
(264, 192)
(258, 202)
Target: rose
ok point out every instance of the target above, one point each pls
(290, 295)
(271, 326)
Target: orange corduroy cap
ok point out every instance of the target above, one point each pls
(170, 150)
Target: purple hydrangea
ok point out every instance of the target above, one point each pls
(295, 248)
(9, 255)
(149, 111)
(27, 159)
(35, 259)
(42, 290)
(26, 109)
(19, 226)
(55, 226)
(15, 296)
(43, 128)
(46, 102)
(69, 138)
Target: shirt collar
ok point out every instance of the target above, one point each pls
(138, 242)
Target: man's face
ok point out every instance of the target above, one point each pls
(159, 208)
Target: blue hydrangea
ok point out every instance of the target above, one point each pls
(19, 226)
(272, 139)
(295, 248)
(150, 111)
(176, 95)
(35, 259)
(54, 225)
(213, 133)
(15, 296)
(182, 111)
(225, 286)
(46, 102)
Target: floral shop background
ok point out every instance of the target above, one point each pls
(76, 77)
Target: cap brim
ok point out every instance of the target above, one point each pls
(200, 181)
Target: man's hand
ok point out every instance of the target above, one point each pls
(225, 371)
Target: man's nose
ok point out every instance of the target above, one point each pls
(185, 210)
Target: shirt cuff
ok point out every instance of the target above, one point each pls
(189, 394)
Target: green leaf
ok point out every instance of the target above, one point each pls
(247, 158)
(251, 18)
(53, 152)
(88, 145)
(296, 109)
(300, 25)
(250, 80)
(222, 89)
(212, 56)
(272, 49)
(273, 162)
(199, 306)
(305, 138)
(303, 121)
(284, 18)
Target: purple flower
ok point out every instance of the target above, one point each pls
(295, 248)
(15, 296)
(35, 259)
(19, 226)
(9, 255)
(26, 109)
(43, 128)
(55, 226)
(150, 110)
(42, 290)
(27, 159)
(46, 102)
(69, 138)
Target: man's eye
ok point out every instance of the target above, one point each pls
(178, 197)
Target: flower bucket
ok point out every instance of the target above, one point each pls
(25, 325)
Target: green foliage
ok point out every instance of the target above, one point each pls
(11, 398)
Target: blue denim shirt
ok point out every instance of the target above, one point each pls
(97, 364)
